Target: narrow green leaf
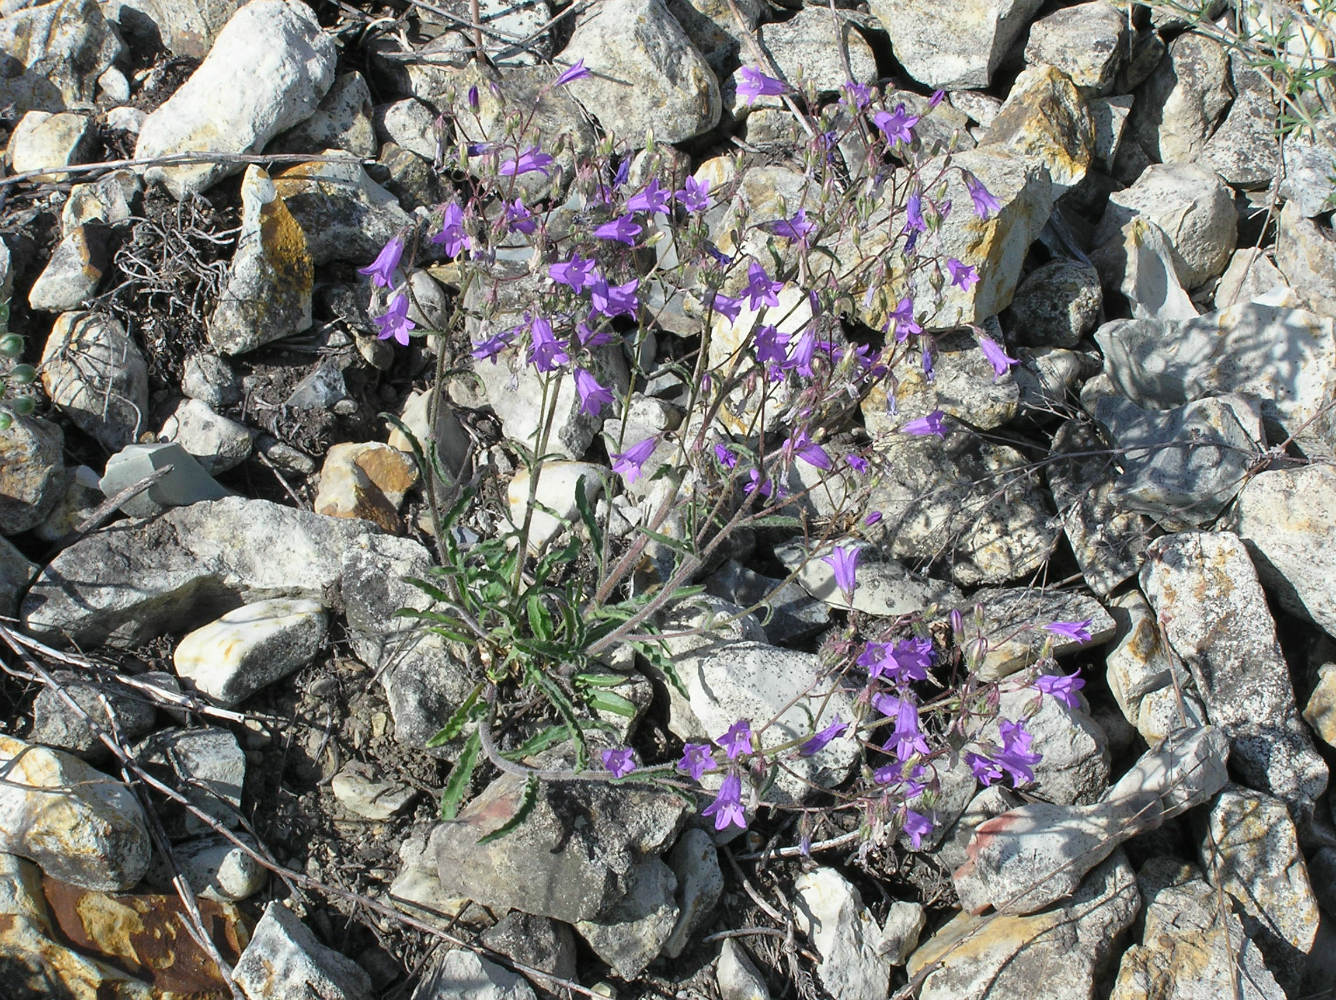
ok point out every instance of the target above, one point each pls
(458, 719)
(521, 814)
(548, 736)
(461, 776)
(611, 701)
(586, 510)
(540, 622)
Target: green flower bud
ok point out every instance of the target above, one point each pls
(6, 421)
(23, 405)
(23, 374)
(11, 345)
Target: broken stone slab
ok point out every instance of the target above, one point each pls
(213, 866)
(632, 933)
(183, 569)
(1056, 954)
(187, 482)
(342, 212)
(271, 276)
(1027, 858)
(830, 911)
(1187, 951)
(956, 48)
(266, 71)
(108, 705)
(1286, 357)
(32, 472)
(284, 961)
(250, 647)
(1141, 665)
(552, 865)
(217, 443)
(78, 824)
(1045, 118)
(1249, 847)
(460, 973)
(695, 862)
(1287, 519)
(1209, 602)
(538, 942)
(73, 272)
(54, 54)
(1087, 41)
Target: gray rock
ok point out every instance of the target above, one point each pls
(884, 587)
(1187, 951)
(32, 473)
(953, 48)
(1285, 357)
(207, 765)
(646, 76)
(1075, 764)
(16, 572)
(410, 124)
(186, 29)
(1045, 119)
(1304, 180)
(284, 961)
(1179, 104)
(1087, 41)
(1250, 849)
(184, 568)
(79, 825)
(1183, 465)
(713, 29)
(1208, 601)
(269, 283)
(513, 36)
(1108, 117)
(1193, 207)
(1046, 377)
(1056, 305)
(901, 929)
(185, 484)
(632, 933)
(1287, 518)
(830, 911)
(54, 54)
(211, 380)
(343, 214)
(214, 866)
(1023, 860)
(1141, 663)
(366, 797)
(964, 500)
(991, 801)
(1306, 256)
(42, 140)
(96, 373)
(417, 888)
(56, 724)
(1244, 150)
(342, 120)
(266, 71)
(963, 385)
(218, 444)
(1142, 262)
(460, 973)
(1056, 954)
(751, 680)
(550, 865)
(700, 881)
(792, 613)
(807, 47)
(538, 942)
(424, 678)
(251, 647)
(1251, 274)
(736, 974)
(110, 200)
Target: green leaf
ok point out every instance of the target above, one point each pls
(611, 701)
(461, 776)
(458, 719)
(521, 814)
(540, 621)
(601, 680)
(778, 521)
(548, 736)
(587, 515)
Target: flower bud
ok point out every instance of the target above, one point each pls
(23, 405)
(11, 345)
(23, 374)
(6, 421)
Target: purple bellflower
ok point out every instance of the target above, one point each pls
(532, 160)
(727, 306)
(593, 397)
(963, 276)
(738, 740)
(1063, 687)
(545, 351)
(725, 456)
(985, 205)
(916, 827)
(395, 322)
(844, 561)
(754, 84)
(931, 424)
(576, 72)
(1075, 631)
(694, 195)
(997, 357)
(760, 289)
(519, 219)
(907, 738)
(697, 758)
(1015, 756)
(727, 805)
(614, 300)
(802, 446)
(452, 235)
(651, 198)
(901, 322)
(896, 125)
(619, 762)
(494, 345)
(578, 272)
(623, 229)
(628, 463)
(386, 263)
(819, 740)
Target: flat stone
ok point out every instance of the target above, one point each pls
(251, 647)
(110, 200)
(646, 76)
(16, 572)
(1286, 357)
(695, 862)
(550, 865)
(538, 942)
(217, 443)
(417, 888)
(957, 48)
(1087, 41)
(42, 140)
(1141, 262)
(713, 30)
(32, 473)
(284, 961)
(807, 47)
(56, 724)
(186, 29)
(1211, 606)
(187, 483)
(1186, 951)
(1307, 169)
(462, 973)
(266, 71)
(555, 490)
(364, 796)
(214, 867)
(78, 824)
(1251, 850)
(1250, 276)
(1182, 100)
(1320, 712)
(343, 214)
(736, 974)
(905, 920)
(1306, 256)
(830, 911)
(630, 935)
(884, 587)
(97, 375)
(270, 280)
(183, 569)
(1142, 662)
(342, 120)
(1056, 954)
(1244, 149)
(207, 765)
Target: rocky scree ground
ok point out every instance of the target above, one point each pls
(1158, 464)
